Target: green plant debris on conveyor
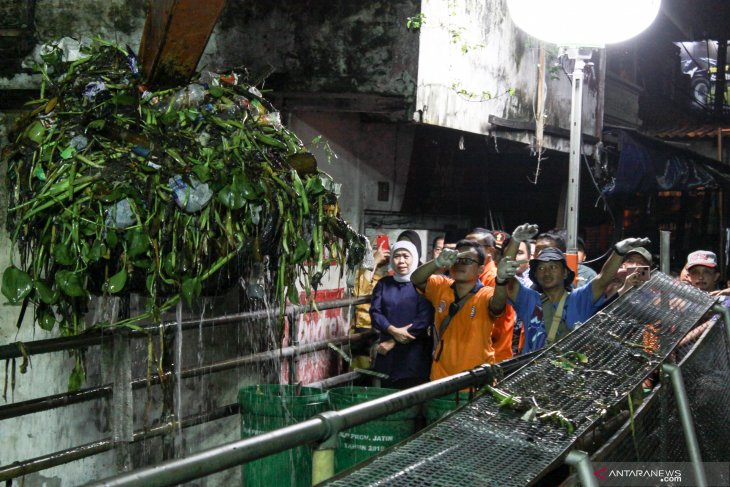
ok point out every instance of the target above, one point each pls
(117, 188)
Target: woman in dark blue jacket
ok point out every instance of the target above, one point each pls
(402, 316)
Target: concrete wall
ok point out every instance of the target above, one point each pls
(471, 55)
(367, 153)
(335, 46)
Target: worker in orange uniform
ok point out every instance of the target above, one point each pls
(504, 326)
(464, 309)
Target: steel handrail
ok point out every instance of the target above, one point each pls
(97, 336)
(318, 429)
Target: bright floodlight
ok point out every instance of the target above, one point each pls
(583, 23)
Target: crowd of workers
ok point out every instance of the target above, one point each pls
(491, 296)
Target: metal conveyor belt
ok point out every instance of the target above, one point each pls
(563, 392)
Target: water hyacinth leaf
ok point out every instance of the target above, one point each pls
(231, 198)
(244, 186)
(97, 250)
(45, 293)
(168, 264)
(45, 318)
(62, 254)
(301, 252)
(191, 287)
(117, 281)
(68, 152)
(96, 124)
(202, 172)
(315, 187)
(137, 243)
(88, 229)
(16, 284)
(150, 283)
(293, 295)
(112, 239)
(40, 173)
(77, 378)
(70, 283)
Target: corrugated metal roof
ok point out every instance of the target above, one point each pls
(687, 130)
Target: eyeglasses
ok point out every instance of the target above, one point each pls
(465, 261)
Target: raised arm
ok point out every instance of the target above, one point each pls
(612, 265)
(420, 276)
(506, 285)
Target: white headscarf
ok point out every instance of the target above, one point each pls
(411, 249)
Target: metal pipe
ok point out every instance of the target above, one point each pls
(55, 401)
(96, 336)
(319, 428)
(65, 399)
(576, 116)
(725, 312)
(66, 456)
(582, 463)
(335, 381)
(18, 469)
(685, 416)
(664, 255)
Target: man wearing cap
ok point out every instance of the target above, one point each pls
(702, 270)
(628, 274)
(464, 309)
(552, 311)
(702, 273)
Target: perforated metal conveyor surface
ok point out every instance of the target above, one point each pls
(484, 444)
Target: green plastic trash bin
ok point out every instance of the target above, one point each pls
(361, 442)
(269, 407)
(440, 407)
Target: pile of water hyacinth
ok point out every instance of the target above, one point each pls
(117, 188)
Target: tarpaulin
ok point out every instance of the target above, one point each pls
(650, 165)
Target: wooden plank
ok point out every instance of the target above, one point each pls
(175, 35)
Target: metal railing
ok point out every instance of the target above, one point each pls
(98, 337)
(321, 429)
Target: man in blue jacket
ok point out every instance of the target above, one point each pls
(553, 309)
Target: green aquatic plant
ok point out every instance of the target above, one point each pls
(116, 188)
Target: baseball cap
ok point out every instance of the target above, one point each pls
(702, 257)
(547, 255)
(642, 252)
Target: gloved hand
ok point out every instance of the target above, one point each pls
(446, 258)
(524, 232)
(625, 245)
(507, 268)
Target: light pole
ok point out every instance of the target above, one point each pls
(581, 26)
